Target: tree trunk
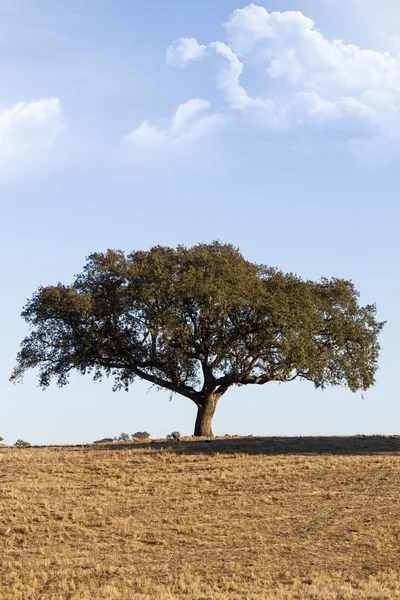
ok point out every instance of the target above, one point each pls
(205, 414)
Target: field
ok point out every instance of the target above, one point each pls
(231, 518)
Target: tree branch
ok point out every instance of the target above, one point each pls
(184, 390)
(220, 391)
(208, 377)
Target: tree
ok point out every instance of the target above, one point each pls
(197, 321)
(21, 444)
(140, 435)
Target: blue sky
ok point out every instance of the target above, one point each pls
(127, 124)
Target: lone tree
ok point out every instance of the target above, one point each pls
(197, 321)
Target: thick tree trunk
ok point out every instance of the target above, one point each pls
(205, 414)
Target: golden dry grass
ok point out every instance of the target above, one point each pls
(230, 519)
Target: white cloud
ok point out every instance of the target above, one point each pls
(187, 113)
(28, 129)
(305, 80)
(188, 125)
(180, 52)
(146, 135)
(228, 81)
(345, 114)
(292, 49)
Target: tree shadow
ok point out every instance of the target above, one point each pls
(339, 445)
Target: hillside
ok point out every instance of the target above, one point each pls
(232, 518)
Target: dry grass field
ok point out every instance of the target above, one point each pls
(237, 518)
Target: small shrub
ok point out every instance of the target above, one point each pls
(140, 435)
(21, 444)
(1, 439)
(123, 437)
(175, 435)
(104, 440)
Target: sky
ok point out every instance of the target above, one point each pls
(273, 126)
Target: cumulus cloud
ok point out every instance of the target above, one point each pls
(28, 129)
(292, 49)
(188, 125)
(304, 79)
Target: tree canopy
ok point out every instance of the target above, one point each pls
(196, 321)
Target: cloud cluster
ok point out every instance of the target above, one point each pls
(302, 79)
(28, 129)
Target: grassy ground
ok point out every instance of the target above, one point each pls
(228, 519)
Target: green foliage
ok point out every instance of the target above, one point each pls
(124, 437)
(140, 435)
(197, 321)
(21, 444)
(175, 435)
(1, 439)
